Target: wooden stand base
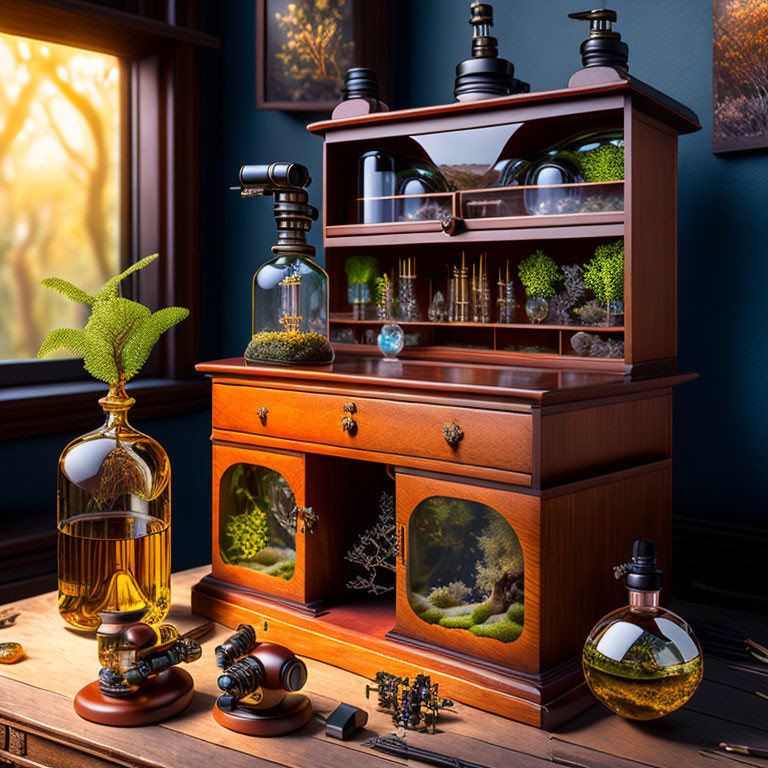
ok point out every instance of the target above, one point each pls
(158, 699)
(294, 712)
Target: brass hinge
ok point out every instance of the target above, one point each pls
(308, 519)
(401, 543)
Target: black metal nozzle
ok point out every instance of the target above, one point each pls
(275, 176)
(239, 644)
(603, 47)
(293, 214)
(242, 678)
(641, 573)
(485, 75)
(361, 83)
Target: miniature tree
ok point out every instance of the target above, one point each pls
(119, 334)
(539, 275)
(604, 274)
(376, 549)
(500, 570)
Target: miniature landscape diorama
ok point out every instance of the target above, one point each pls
(257, 519)
(465, 569)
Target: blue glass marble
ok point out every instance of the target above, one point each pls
(391, 340)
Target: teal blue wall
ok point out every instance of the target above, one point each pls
(720, 419)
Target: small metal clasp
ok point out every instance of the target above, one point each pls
(308, 519)
(262, 413)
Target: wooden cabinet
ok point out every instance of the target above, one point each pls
(523, 468)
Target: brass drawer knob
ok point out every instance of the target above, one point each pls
(350, 408)
(453, 434)
(348, 424)
(262, 412)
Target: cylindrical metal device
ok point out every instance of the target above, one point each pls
(280, 175)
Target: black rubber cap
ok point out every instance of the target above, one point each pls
(643, 574)
(293, 675)
(361, 83)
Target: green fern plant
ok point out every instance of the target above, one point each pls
(119, 334)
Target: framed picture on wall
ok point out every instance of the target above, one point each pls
(304, 47)
(740, 75)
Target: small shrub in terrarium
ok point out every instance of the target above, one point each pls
(540, 277)
(361, 277)
(604, 275)
(290, 292)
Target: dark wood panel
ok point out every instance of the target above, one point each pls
(583, 535)
(650, 241)
(580, 442)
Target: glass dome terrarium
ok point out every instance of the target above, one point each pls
(592, 158)
(290, 292)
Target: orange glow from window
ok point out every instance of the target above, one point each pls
(59, 184)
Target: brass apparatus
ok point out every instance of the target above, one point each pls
(130, 651)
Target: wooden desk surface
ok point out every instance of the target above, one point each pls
(36, 714)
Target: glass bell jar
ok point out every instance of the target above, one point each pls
(114, 514)
(290, 292)
(592, 158)
(642, 661)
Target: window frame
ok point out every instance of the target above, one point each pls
(160, 184)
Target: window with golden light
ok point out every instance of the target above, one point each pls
(60, 164)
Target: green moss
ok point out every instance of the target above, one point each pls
(456, 622)
(284, 571)
(481, 614)
(506, 631)
(248, 533)
(361, 269)
(539, 275)
(432, 616)
(604, 274)
(284, 347)
(604, 163)
(516, 613)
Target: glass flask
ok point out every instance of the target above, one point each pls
(391, 340)
(464, 568)
(642, 661)
(289, 304)
(114, 515)
(290, 312)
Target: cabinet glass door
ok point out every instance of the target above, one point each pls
(468, 575)
(465, 569)
(259, 518)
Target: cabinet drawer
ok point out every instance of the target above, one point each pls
(496, 439)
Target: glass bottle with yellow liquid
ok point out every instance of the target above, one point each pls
(642, 661)
(114, 508)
